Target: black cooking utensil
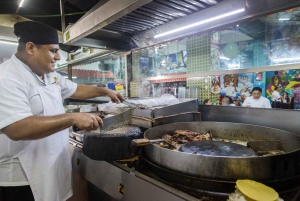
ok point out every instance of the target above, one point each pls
(112, 146)
(216, 148)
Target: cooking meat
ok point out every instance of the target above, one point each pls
(181, 137)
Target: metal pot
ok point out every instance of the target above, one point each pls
(259, 168)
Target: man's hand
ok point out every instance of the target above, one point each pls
(47, 125)
(86, 121)
(114, 96)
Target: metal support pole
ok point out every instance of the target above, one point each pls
(69, 72)
(62, 12)
(126, 76)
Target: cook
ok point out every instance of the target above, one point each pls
(256, 100)
(35, 161)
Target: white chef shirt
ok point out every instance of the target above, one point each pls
(262, 102)
(276, 96)
(19, 98)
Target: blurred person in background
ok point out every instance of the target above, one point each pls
(227, 102)
(207, 102)
(276, 98)
(296, 97)
(285, 98)
(256, 100)
(241, 99)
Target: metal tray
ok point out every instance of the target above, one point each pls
(185, 105)
(152, 122)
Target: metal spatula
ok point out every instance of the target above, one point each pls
(132, 105)
(113, 122)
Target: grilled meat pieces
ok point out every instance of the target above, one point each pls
(181, 137)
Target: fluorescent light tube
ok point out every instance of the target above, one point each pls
(284, 19)
(201, 22)
(74, 77)
(286, 59)
(20, 5)
(224, 58)
(233, 65)
(8, 42)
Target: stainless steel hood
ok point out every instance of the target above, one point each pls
(131, 24)
(90, 26)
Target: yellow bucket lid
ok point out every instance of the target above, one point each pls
(257, 191)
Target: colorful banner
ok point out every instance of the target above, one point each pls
(260, 81)
(144, 66)
(234, 84)
(245, 83)
(285, 79)
(229, 85)
(172, 63)
(215, 85)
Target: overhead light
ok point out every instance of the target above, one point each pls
(224, 58)
(200, 22)
(20, 5)
(286, 59)
(68, 77)
(284, 19)
(8, 42)
(233, 66)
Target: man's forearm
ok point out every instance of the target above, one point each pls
(87, 91)
(36, 127)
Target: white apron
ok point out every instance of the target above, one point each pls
(47, 161)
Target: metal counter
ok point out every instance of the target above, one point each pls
(111, 178)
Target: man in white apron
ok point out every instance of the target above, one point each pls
(35, 161)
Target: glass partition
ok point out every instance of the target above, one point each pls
(164, 59)
(63, 71)
(215, 87)
(264, 41)
(103, 73)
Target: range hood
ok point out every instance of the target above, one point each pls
(87, 31)
(100, 28)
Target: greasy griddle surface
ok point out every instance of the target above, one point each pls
(217, 148)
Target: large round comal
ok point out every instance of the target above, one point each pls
(259, 168)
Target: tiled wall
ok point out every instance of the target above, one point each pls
(199, 60)
(135, 89)
(198, 53)
(204, 88)
(135, 65)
